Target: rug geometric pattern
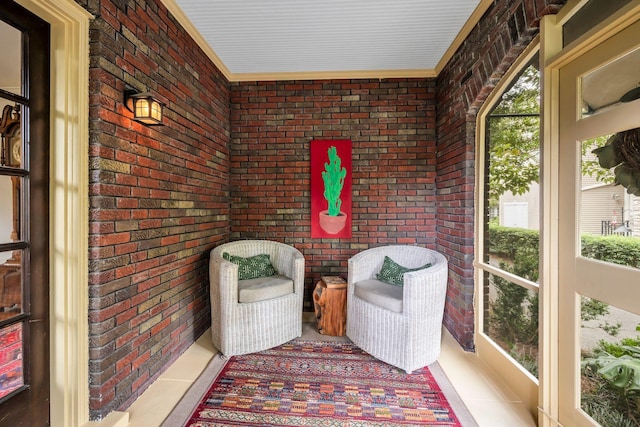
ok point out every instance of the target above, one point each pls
(311, 383)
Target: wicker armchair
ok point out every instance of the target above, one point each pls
(248, 327)
(401, 326)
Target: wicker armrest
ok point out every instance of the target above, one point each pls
(425, 288)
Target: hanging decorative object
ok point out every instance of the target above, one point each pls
(331, 189)
(622, 152)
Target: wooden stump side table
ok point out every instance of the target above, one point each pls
(330, 305)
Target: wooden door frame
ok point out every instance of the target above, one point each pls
(558, 311)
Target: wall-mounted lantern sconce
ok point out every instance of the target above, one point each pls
(146, 109)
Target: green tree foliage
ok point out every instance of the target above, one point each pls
(590, 165)
(615, 249)
(514, 137)
(512, 243)
(514, 314)
(514, 141)
(592, 309)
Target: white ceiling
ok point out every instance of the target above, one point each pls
(307, 39)
(260, 40)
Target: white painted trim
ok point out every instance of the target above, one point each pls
(331, 75)
(520, 381)
(551, 44)
(520, 281)
(507, 371)
(601, 32)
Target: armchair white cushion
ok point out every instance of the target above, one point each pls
(271, 311)
(400, 325)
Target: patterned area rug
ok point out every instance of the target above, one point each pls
(310, 383)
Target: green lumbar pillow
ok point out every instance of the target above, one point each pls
(393, 273)
(251, 267)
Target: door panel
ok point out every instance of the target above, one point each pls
(593, 107)
(24, 218)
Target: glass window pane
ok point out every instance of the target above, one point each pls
(610, 343)
(513, 169)
(588, 17)
(11, 359)
(600, 92)
(10, 284)
(511, 320)
(11, 51)
(512, 200)
(609, 214)
(11, 132)
(9, 210)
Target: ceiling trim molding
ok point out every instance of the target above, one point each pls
(334, 75)
(186, 23)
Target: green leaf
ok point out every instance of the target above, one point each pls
(607, 157)
(622, 372)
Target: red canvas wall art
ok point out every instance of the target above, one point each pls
(331, 189)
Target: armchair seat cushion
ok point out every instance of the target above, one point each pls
(264, 288)
(380, 293)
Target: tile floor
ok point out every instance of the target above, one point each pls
(490, 404)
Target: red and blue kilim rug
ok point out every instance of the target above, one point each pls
(309, 383)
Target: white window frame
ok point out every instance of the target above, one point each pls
(520, 381)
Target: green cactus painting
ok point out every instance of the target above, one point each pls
(331, 207)
(333, 177)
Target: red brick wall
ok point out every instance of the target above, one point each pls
(233, 162)
(391, 124)
(469, 77)
(158, 198)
